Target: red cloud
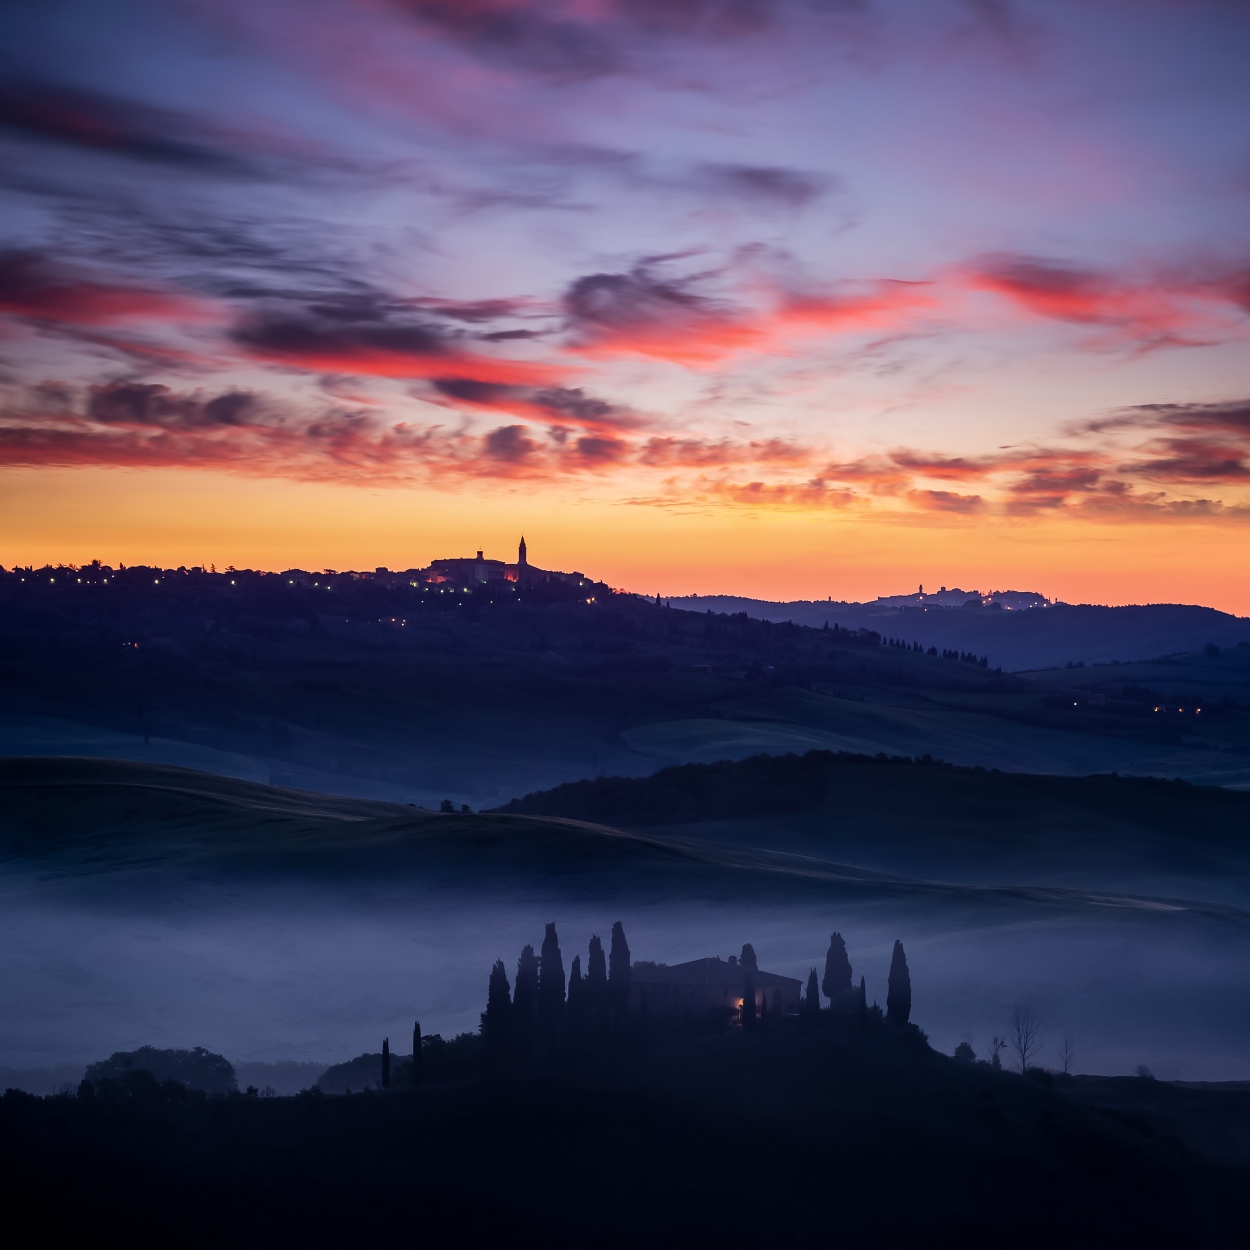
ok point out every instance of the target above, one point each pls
(558, 405)
(342, 341)
(1152, 312)
(638, 313)
(34, 287)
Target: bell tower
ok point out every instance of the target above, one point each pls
(520, 557)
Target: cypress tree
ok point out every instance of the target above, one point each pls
(386, 1063)
(863, 1005)
(747, 1015)
(618, 973)
(597, 973)
(416, 1043)
(811, 1003)
(748, 959)
(898, 996)
(577, 987)
(497, 1016)
(525, 995)
(551, 980)
(837, 968)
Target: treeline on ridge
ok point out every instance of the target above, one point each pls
(760, 785)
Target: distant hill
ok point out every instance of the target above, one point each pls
(1047, 637)
(371, 692)
(926, 818)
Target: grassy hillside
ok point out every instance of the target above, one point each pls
(102, 815)
(927, 819)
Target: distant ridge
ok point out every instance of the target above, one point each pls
(1048, 637)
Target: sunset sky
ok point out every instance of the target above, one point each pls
(788, 298)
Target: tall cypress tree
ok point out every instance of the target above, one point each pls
(747, 1014)
(811, 1003)
(748, 959)
(618, 973)
(525, 994)
(416, 1049)
(596, 974)
(497, 1018)
(386, 1063)
(863, 1004)
(837, 978)
(551, 981)
(898, 996)
(597, 984)
(577, 986)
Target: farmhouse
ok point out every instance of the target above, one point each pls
(704, 985)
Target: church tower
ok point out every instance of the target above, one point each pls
(520, 559)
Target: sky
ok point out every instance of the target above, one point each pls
(783, 298)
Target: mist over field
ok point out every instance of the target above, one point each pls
(149, 905)
(210, 934)
(289, 972)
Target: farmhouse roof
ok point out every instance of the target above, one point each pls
(713, 972)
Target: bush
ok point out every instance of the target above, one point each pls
(195, 1069)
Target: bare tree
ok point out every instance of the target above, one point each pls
(1025, 1036)
(997, 1044)
(1067, 1054)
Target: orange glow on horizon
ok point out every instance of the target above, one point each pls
(180, 517)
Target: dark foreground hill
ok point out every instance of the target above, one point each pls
(780, 1139)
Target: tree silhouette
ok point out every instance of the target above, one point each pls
(386, 1063)
(551, 980)
(898, 993)
(748, 1000)
(747, 958)
(497, 1017)
(1025, 1036)
(618, 973)
(597, 983)
(837, 978)
(811, 1002)
(863, 1004)
(1067, 1054)
(416, 1047)
(577, 986)
(525, 994)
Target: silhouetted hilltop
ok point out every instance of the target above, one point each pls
(1038, 637)
(757, 786)
(892, 787)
